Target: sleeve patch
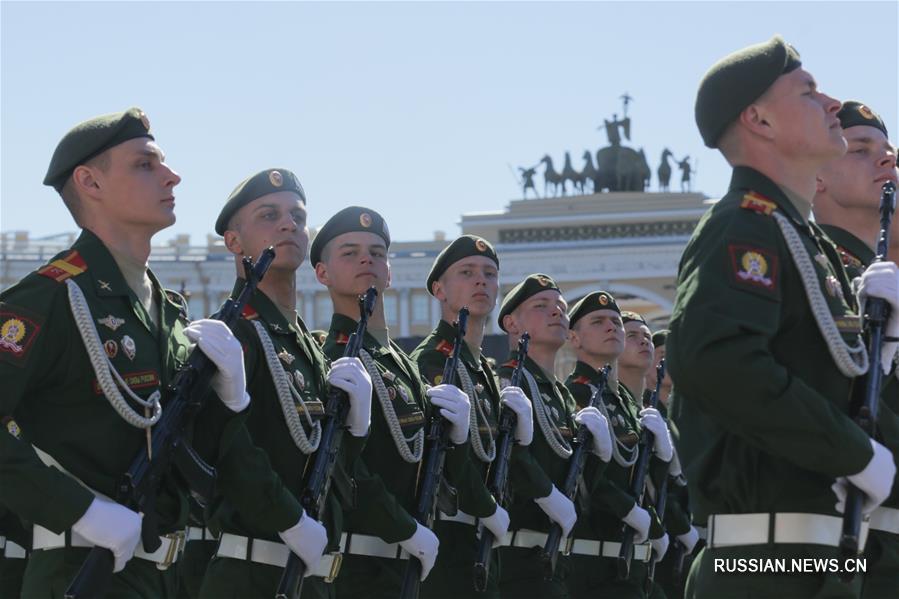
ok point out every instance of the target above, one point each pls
(754, 267)
(17, 334)
(758, 203)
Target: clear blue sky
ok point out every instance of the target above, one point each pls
(414, 109)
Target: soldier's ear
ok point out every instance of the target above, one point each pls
(85, 180)
(510, 324)
(754, 118)
(574, 339)
(321, 274)
(437, 291)
(232, 242)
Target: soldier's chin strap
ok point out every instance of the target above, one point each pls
(852, 360)
(108, 379)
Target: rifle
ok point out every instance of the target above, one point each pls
(550, 553)
(876, 315)
(638, 482)
(137, 488)
(438, 437)
(499, 474)
(318, 482)
(661, 505)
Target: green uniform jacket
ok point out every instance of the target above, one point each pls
(431, 356)
(261, 471)
(744, 350)
(51, 392)
(612, 499)
(535, 469)
(385, 484)
(854, 253)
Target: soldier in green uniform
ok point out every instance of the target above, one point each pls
(598, 337)
(536, 306)
(637, 358)
(88, 345)
(466, 273)
(846, 206)
(350, 255)
(263, 521)
(847, 197)
(764, 340)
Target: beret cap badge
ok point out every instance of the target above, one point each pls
(276, 179)
(144, 120)
(479, 243)
(365, 219)
(603, 299)
(866, 112)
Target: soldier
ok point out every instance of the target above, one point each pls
(350, 255)
(466, 273)
(846, 205)
(637, 358)
(287, 376)
(847, 196)
(764, 340)
(658, 354)
(598, 337)
(536, 306)
(88, 346)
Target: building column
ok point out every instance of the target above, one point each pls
(404, 312)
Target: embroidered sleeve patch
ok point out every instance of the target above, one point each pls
(754, 267)
(18, 330)
(758, 203)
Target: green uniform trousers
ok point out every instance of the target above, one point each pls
(192, 567)
(229, 578)
(597, 578)
(522, 575)
(364, 577)
(49, 573)
(881, 581)
(704, 583)
(453, 574)
(11, 572)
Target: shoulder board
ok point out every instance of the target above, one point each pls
(444, 347)
(758, 203)
(581, 380)
(249, 313)
(510, 364)
(59, 270)
(342, 339)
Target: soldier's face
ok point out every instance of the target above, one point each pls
(353, 262)
(600, 333)
(137, 188)
(659, 355)
(545, 316)
(802, 121)
(277, 219)
(855, 180)
(638, 351)
(472, 282)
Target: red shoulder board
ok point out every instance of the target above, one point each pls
(60, 270)
(582, 380)
(510, 364)
(444, 347)
(758, 203)
(249, 313)
(342, 339)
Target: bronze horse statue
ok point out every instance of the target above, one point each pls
(569, 174)
(551, 177)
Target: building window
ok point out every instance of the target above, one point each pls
(390, 308)
(420, 308)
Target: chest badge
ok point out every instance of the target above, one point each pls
(129, 347)
(834, 289)
(286, 357)
(485, 404)
(111, 322)
(111, 347)
(300, 380)
(479, 388)
(822, 260)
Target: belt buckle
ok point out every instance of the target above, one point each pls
(175, 545)
(335, 567)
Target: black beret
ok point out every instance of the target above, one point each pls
(854, 114)
(738, 80)
(628, 316)
(91, 137)
(532, 285)
(264, 182)
(660, 337)
(462, 247)
(354, 218)
(596, 300)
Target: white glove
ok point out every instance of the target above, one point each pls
(659, 547)
(308, 539)
(350, 375)
(598, 426)
(881, 279)
(875, 481)
(651, 419)
(639, 520)
(422, 545)
(498, 524)
(560, 510)
(215, 339)
(455, 407)
(113, 526)
(518, 402)
(689, 540)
